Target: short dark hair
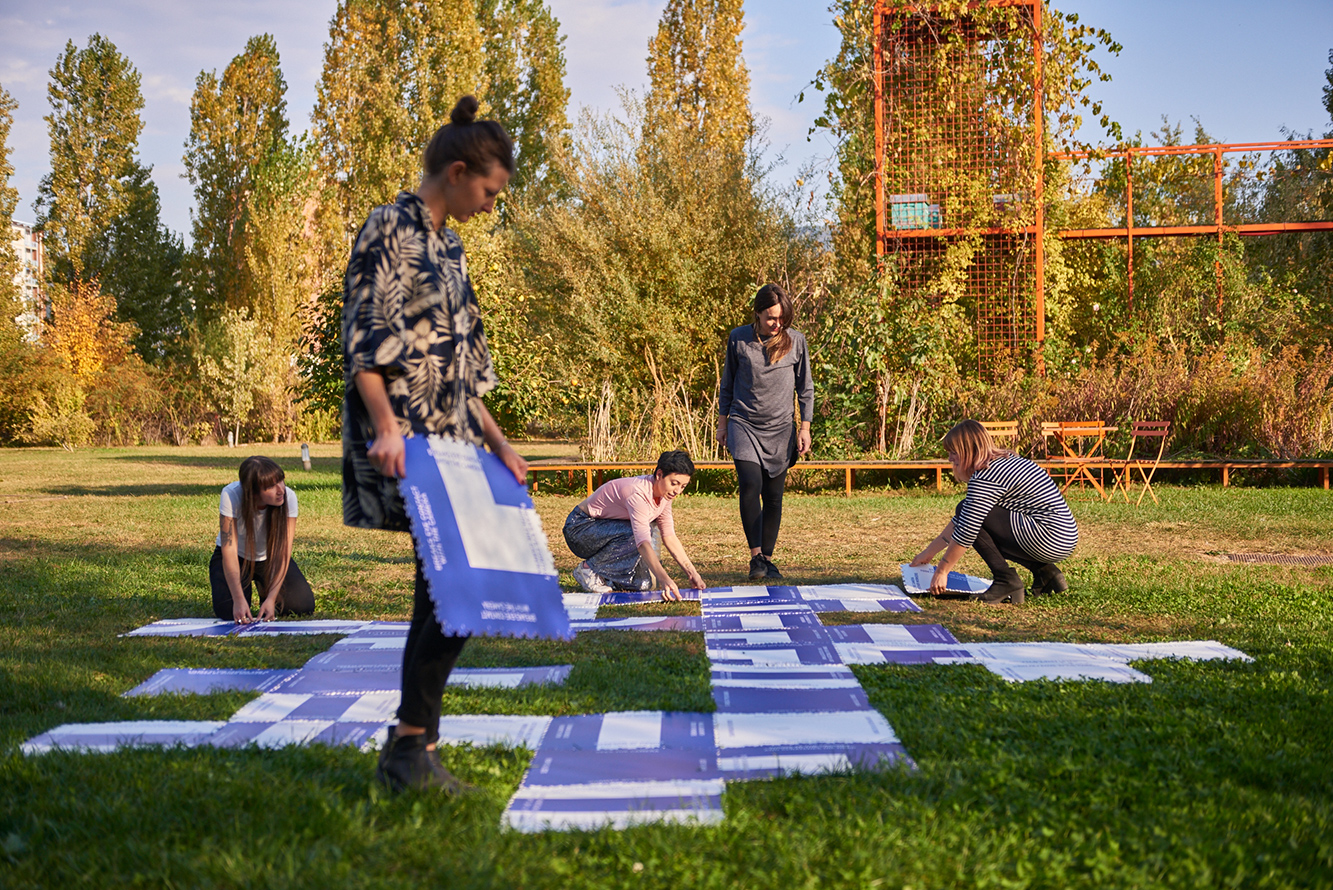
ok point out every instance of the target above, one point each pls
(677, 462)
(477, 143)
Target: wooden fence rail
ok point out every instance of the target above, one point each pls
(594, 471)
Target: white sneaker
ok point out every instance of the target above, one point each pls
(590, 580)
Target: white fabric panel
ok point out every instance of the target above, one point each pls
(634, 730)
(801, 728)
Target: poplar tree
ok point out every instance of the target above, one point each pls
(9, 196)
(525, 88)
(697, 78)
(94, 126)
(236, 122)
(393, 70)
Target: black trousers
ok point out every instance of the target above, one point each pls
(996, 544)
(428, 659)
(295, 598)
(761, 505)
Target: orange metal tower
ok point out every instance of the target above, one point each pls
(958, 173)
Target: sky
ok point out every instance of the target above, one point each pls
(1245, 71)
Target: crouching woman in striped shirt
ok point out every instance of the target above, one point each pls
(1013, 511)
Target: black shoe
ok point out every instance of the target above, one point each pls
(758, 567)
(1048, 579)
(771, 571)
(405, 763)
(1003, 589)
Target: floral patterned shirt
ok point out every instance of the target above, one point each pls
(410, 313)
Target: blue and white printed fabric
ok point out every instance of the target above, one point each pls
(481, 544)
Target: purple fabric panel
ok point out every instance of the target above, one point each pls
(931, 633)
(573, 733)
(237, 735)
(899, 605)
(348, 658)
(323, 707)
(744, 673)
(617, 804)
(352, 734)
(694, 732)
(848, 633)
(921, 656)
(744, 700)
(341, 682)
(631, 597)
(588, 767)
(201, 681)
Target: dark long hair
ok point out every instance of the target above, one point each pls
(257, 474)
(777, 346)
(477, 143)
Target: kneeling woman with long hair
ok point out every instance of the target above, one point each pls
(1013, 510)
(256, 527)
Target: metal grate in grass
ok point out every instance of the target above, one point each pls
(1281, 559)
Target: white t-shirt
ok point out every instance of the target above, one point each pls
(231, 505)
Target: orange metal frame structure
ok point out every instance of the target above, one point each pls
(930, 136)
(1218, 227)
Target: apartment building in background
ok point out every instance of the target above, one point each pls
(31, 253)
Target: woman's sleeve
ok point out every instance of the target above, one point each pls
(725, 385)
(982, 496)
(805, 386)
(291, 503)
(377, 281)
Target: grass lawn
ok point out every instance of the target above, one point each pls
(1214, 775)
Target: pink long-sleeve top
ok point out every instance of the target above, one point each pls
(632, 498)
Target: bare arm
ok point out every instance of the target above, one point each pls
(500, 446)
(677, 550)
(231, 569)
(387, 453)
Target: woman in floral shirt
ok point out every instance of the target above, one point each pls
(415, 362)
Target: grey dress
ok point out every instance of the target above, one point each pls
(759, 399)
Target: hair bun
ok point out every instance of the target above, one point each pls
(465, 112)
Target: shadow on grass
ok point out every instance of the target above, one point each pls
(137, 490)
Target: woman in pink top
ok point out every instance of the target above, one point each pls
(617, 529)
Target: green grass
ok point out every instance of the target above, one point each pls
(1214, 775)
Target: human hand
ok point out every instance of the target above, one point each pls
(921, 558)
(721, 435)
(515, 462)
(268, 608)
(939, 582)
(670, 590)
(803, 442)
(240, 612)
(697, 581)
(388, 454)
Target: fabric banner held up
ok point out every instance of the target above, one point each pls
(481, 544)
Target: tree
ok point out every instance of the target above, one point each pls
(9, 196)
(236, 122)
(525, 87)
(629, 287)
(139, 264)
(697, 77)
(393, 70)
(94, 126)
(235, 365)
(84, 334)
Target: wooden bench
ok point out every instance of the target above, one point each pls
(594, 471)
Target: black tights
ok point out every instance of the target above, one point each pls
(761, 504)
(428, 658)
(996, 545)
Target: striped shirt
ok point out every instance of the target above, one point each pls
(1043, 525)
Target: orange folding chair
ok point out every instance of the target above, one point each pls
(1002, 430)
(1146, 467)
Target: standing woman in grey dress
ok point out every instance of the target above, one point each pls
(766, 372)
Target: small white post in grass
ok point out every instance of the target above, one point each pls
(231, 439)
(305, 455)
